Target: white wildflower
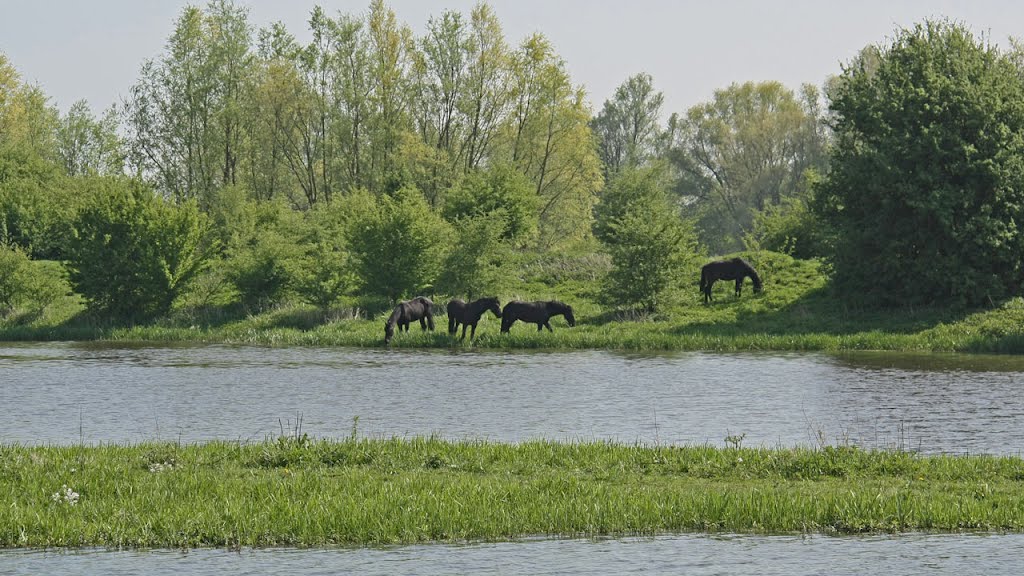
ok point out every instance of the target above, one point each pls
(66, 494)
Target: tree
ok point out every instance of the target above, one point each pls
(87, 145)
(627, 128)
(501, 191)
(550, 142)
(745, 150)
(397, 243)
(132, 253)
(473, 267)
(184, 114)
(649, 244)
(926, 189)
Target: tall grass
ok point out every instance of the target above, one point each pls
(299, 492)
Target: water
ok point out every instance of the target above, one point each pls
(686, 554)
(68, 393)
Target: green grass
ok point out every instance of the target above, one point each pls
(298, 492)
(795, 312)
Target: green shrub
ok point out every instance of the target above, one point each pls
(398, 244)
(132, 253)
(27, 284)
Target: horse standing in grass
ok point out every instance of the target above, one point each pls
(735, 269)
(418, 308)
(538, 313)
(469, 314)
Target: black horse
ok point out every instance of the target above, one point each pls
(418, 308)
(469, 314)
(735, 269)
(535, 312)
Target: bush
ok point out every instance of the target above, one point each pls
(131, 253)
(472, 269)
(926, 190)
(25, 283)
(397, 243)
(263, 250)
(500, 191)
(649, 244)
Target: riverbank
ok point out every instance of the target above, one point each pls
(796, 312)
(300, 492)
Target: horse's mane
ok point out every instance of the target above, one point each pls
(557, 305)
(395, 314)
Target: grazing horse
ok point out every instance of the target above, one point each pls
(469, 314)
(535, 312)
(735, 269)
(418, 308)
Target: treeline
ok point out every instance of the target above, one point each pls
(245, 167)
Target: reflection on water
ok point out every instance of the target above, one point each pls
(61, 393)
(687, 554)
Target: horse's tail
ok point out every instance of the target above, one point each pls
(703, 278)
(451, 323)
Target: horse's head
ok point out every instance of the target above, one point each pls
(569, 316)
(389, 332)
(494, 306)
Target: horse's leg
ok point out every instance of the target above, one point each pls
(423, 324)
(452, 324)
(472, 333)
(739, 286)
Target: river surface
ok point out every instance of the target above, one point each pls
(64, 393)
(686, 554)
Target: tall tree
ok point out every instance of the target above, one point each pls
(627, 128)
(87, 145)
(183, 114)
(550, 142)
(746, 149)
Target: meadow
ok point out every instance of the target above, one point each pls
(796, 312)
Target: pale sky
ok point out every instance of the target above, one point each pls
(76, 49)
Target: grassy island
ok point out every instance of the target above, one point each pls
(301, 492)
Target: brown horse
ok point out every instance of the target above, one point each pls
(418, 308)
(735, 269)
(469, 314)
(538, 313)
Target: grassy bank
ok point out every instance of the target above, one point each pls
(796, 312)
(297, 492)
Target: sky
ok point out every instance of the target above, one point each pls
(93, 49)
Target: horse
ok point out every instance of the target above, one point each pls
(408, 311)
(536, 313)
(469, 314)
(734, 269)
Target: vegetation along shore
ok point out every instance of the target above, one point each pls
(301, 492)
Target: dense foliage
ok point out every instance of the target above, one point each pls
(926, 192)
(131, 252)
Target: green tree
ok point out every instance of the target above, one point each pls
(473, 267)
(397, 243)
(926, 189)
(499, 189)
(131, 253)
(87, 145)
(627, 128)
(650, 245)
(745, 150)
